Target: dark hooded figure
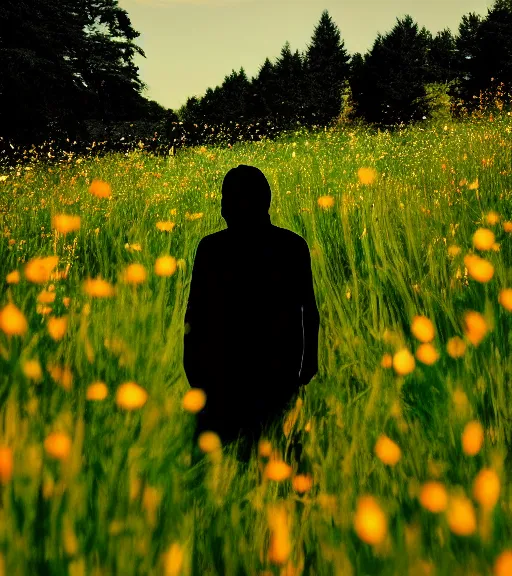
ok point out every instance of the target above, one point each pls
(251, 324)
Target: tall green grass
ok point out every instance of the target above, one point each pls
(127, 500)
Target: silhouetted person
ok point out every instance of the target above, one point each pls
(252, 334)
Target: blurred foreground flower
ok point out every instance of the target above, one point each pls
(505, 298)
(13, 277)
(100, 189)
(13, 321)
(486, 488)
(475, 327)
(366, 175)
(403, 362)
(472, 438)
(461, 515)
(455, 347)
(434, 497)
(326, 201)
(483, 239)
(38, 270)
(165, 226)
(97, 391)
(65, 223)
(422, 329)
(370, 522)
(277, 470)
(209, 442)
(131, 396)
(6, 464)
(194, 400)
(57, 327)
(58, 445)
(387, 451)
(135, 274)
(427, 354)
(98, 288)
(479, 269)
(165, 266)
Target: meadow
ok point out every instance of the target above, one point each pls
(406, 428)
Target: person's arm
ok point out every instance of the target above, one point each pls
(310, 319)
(191, 342)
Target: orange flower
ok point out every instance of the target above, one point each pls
(165, 226)
(13, 277)
(367, 175)
(57, 327)
(455, 347)
(135, 274)
(507, 226)
(427, 354)
(6, 465)
(131, 396)
(434, 497)
(209, 442)
(422, 329)
(387, 450)
(370, 522)
(173, 560)
(194, 400)
(503, 564)
(165, 266)
(387, 361)
(38, 270)
(302, 483)
(100, 189)
(479, 269)
(326, 201)
(483, 239)
(65, 223)
(97, 391)
(403, 362)
(13, 321)
(461, 516)
(58, 445)
(280, 544)
(475, 327)
(472, 438)
(505, 299)
(492, 217)
(46, 297)
(264, 448)
(61, 375)
(32, 370)
(98, 288)
(277, 470)
(486, 488)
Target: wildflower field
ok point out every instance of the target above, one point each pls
(407, 428)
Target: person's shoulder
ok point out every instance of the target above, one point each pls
(296, 241)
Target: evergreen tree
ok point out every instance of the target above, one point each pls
(442, 57)
(391, 86)
(264, 90)
(326, 68)
(235, 93)
(289, 103)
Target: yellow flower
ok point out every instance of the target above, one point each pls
(434, 497)
(32, 370)
(98, 288)
(173, 560)
(455, 347)
(165, 266)
(57, 327)
(13, 321)
(479, 269)
(475, 327)
(503, 564)
(461, 516)
(302, 483)
(387, 451)
(61, 375)
(264, 448)
(97, 391)
(6, 464)
(165, 226)
(277, 470)
(427, 354)
(194, 400)
(135, 274)
(131, 396)
(38, 270)
(483, 239)
(492, 217)
(65, 223)
(387, 361)
(326, 201)
(486, 488)
(100, 189)
(209, 442)
(370, 522)
(366, 175)
(453, 250)
(507, 226)
(58, 445)
(13, 277)
(505, 299)
(472, 438)
(422, 329)
(403, 362)
(280, 544)
(46, 297)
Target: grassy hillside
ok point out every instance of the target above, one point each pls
(406, 428)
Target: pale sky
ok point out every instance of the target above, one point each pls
(191, 45)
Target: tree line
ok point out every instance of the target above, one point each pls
(67, 74)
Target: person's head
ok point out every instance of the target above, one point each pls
(246, 196)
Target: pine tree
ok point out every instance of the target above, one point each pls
(391, 86)
(289, 86)
(326, 68)
(264, 90)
